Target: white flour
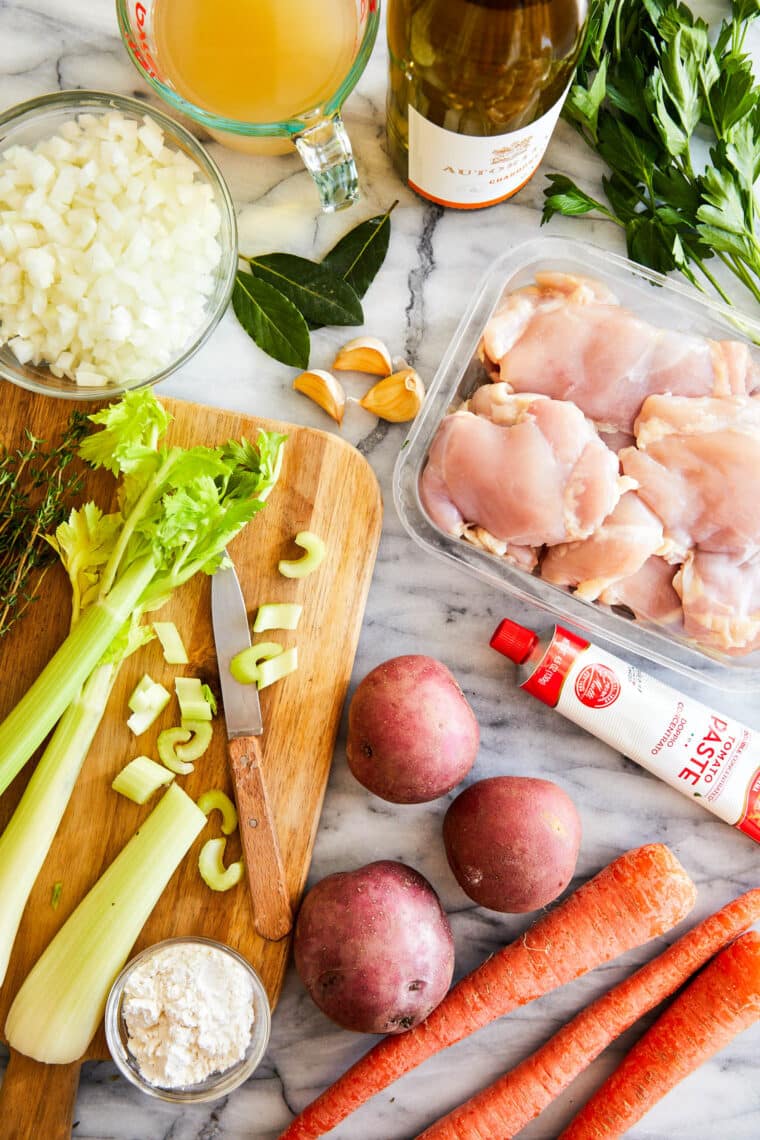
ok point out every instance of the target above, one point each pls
(188, 1010)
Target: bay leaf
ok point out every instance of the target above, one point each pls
(321, 295)
(271, 320)
(360, 253)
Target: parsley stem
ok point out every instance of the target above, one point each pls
(708, 104)
(738, 268)
(710, 277)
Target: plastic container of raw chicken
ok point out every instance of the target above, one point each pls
(652, 297)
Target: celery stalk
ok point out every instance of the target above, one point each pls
(24, 729)
(177, 510)
(60, 1004)
(26, 840)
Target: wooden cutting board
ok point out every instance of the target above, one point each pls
(325, 486)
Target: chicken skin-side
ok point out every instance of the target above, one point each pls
(529, 470)
(570, 339)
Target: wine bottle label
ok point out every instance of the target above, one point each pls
(470, 171)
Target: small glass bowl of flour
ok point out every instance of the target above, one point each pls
(187, 1020)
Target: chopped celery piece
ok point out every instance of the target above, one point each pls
(216, 800)
(300, 567)
(140, 722)
(140, 778)
(146, 694)
(244, 666)
(277, 667)
(60, 1004)
(202, 731)
(167, 743)
(147, 702)
(55, 894)
(196, 701)
(179, 747)
(277, 615)
(212, 868)
(171, 642)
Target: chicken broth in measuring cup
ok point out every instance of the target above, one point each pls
(257, 61)
(262, 76)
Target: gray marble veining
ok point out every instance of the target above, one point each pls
(415, 605)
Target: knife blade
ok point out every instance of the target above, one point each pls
(272, 911)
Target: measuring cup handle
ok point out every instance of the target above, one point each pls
(326, 151)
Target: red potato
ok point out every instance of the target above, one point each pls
(412, 736)
(512, 842)
(374, 947)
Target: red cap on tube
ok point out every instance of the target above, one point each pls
(514, 641)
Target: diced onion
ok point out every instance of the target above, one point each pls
(108, 244)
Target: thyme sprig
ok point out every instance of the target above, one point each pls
(37, 485)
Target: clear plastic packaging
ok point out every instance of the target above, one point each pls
(654, 298)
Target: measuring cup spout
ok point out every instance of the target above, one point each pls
(326, 152)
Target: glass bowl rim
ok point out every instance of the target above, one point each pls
(82, 100)
(219, 1084)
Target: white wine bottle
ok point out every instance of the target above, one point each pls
(476, 88)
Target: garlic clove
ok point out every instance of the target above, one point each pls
(364, 354)
(397, 398)
(323, 389)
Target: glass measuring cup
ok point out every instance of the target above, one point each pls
(317, 132)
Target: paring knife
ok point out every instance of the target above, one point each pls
(272, 912)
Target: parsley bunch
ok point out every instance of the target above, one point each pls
(650, 83)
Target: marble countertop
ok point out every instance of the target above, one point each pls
(416, 604)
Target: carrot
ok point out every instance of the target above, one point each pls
(506, 1106)
(721, 1002)
(637, 897)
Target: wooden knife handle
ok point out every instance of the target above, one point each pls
(37, 1100)
(272, 912)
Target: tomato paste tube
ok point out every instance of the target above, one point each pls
(702, 753)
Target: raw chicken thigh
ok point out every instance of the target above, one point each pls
(614, 458)
(528, 470)
(697, 466)
(620, 547)
(721, 600)
(649, 594)
(572, 341)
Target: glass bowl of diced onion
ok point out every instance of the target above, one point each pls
(118, 245)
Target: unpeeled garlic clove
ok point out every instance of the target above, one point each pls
(397, 398)
(323, 389)
(364, 354)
